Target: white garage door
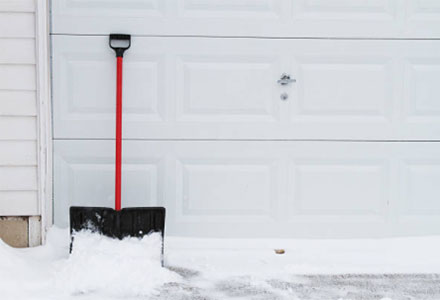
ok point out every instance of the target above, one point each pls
(349, 149)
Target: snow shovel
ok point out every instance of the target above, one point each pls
(118, 223)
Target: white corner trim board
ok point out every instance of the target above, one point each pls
(44, 125)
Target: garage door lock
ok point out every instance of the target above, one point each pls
(285, 79)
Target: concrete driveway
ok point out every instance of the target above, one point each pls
(307, 287)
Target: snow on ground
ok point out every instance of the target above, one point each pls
(98, 268)
(110, 267)
(305, 256)
(102, 268)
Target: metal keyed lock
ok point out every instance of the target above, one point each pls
(285, 79)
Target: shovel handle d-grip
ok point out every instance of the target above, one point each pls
(119, 43)
(119, 58)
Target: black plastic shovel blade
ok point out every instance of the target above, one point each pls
(128, 222)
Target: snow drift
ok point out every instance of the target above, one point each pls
(131, 267)
(98, 268)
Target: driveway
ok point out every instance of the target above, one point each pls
(305, 287)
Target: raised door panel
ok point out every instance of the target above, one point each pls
(338, 188)
(340, 9)
(345, 90)
(422, 18)
(419, 176)
(85, 83)
(226, 89)
(84, 176)
(421, 180)
(422, 89)
(225, 189)
(352, 18)
(420, 105)
(365, 90)
(343, 189)
(338, 88)
(254, 9)
(94, 10)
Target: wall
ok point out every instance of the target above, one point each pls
(19, 129)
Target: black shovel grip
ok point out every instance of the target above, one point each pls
(125, 38)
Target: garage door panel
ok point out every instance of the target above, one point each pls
(223, 89)
(422, 88)
(338, 189)
(203, 88)
(424, 6)
(85, 177)
(85, 89)
(261, 188)
(419, 208)
(341, 9)
(423, 16)
(258, 9)
(420, 109)
(421, 178)
(226, 189)
(113, 8)
(272, 18)
(339, 87)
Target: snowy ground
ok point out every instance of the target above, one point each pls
(100, 268)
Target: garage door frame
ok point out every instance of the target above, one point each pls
(44, 117)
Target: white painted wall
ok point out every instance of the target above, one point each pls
(18, 109)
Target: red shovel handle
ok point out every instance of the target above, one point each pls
(118, 133)
(119, 43)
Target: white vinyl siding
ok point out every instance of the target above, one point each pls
(18, 103)
(18, 116)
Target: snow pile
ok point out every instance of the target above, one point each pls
(20, 277)
(8, 259)
(98, 268)
(110, 267)
(10, 267)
